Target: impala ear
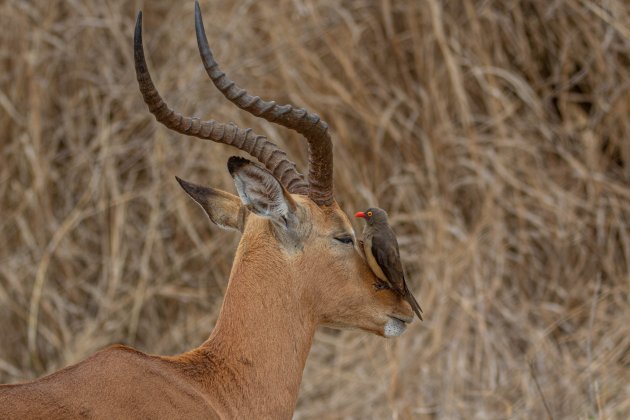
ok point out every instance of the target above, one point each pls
(262, 193)
(224, 209)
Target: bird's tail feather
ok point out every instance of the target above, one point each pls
(413, 302)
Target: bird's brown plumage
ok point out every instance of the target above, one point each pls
(383, 256)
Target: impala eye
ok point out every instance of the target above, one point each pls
(345, 239)
(379, 285)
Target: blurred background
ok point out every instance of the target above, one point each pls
(495, 133)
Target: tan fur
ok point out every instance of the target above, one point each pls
(252, 363)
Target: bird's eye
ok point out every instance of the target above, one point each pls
(379, 285)
(345, 239)
(369, 213)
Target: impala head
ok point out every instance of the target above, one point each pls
(289, 224)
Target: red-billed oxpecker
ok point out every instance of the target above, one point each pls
(383, 257)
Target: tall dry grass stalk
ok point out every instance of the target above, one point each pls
(497, 135)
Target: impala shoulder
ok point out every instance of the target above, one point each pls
(122, 349)
(118, 352)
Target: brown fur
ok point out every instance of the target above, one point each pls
(252, 363)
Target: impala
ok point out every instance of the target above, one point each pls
(297, 266)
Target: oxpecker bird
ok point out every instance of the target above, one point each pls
(381, 251)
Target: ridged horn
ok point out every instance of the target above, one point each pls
(270, 155)
(309, 125)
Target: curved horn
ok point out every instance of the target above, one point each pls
(315, 130)
(274, 158)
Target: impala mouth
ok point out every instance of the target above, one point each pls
(396, 325)
(405, 319)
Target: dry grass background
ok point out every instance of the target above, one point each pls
(495, 133)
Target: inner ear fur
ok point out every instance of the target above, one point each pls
(262, 193)
(224, 209)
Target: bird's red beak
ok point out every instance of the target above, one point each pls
(360, 214)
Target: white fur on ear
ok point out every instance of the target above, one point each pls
(264, 197)
(260, 191)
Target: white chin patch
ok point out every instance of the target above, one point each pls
(394, 328)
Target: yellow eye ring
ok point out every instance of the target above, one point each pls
(369, 213)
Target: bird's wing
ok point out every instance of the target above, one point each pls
(387, 256)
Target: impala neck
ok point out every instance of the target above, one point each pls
(262, 337)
